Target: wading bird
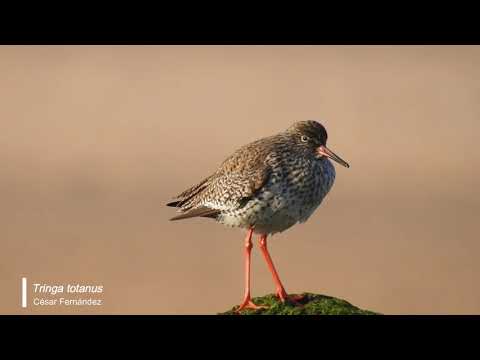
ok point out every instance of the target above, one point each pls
(266, 187)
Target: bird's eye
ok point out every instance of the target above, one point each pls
(304, 138)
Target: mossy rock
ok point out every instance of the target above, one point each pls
(312, 304)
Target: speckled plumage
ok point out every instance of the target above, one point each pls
(270, 184)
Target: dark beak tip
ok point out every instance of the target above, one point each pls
(324, 151)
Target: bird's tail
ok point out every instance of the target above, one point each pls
(198, 212)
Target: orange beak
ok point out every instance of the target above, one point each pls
(324, 151)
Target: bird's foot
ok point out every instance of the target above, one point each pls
(249, 304)
(294, 299)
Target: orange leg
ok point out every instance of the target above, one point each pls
(280, 291)
(247, 301)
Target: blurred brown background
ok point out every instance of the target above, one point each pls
(95, 140)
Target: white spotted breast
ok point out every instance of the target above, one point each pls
(288, 197)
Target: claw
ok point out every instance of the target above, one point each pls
(248, 304)
(284, 297)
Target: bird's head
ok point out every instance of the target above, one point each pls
(311, 137)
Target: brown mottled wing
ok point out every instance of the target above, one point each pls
(238, 179)
(185, 197)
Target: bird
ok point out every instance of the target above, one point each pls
(265, 187)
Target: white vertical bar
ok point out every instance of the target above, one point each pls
(24, 292)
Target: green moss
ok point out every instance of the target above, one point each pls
(312, 304)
